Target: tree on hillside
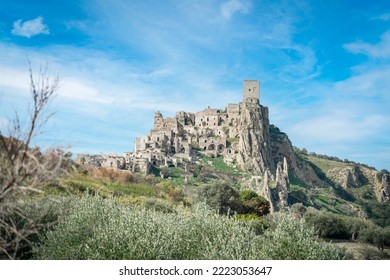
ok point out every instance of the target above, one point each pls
(252, 203)
(25, 169)
(220, 196)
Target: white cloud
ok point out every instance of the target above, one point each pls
(231, 7)
(30, 28)
(338, 127)
(379, 50)
(77, 90)
(77, 24)
(10, 77)
(384, 17)
(370, 82)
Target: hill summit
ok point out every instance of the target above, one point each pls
(241, 134)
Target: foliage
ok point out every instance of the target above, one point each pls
(376, 235)
(291, 239)
(377, 212)
(38, 216)
(298, 210)
(220, 196)
(113, 175)
(166, 172)
(380, 174)
(158, 205)
(24, 169)
(252, 203)
(342, 193)
(102, 229)
(326, 224)
(219, 165)
(255, 222)
(108, 182)
(327, 160)
(97, 228)
(330, 225)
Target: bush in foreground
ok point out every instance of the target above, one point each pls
(99, 228)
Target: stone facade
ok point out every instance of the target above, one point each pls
(211, 131)
(112, 160)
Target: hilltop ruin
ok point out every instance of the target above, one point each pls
(212, 131)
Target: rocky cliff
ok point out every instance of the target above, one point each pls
(254, 144)
(282, 148)
(348, 177)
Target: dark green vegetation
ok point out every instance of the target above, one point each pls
(107, 214)
(348, 214)
(113, 214)
(97, 228)
(334, 198)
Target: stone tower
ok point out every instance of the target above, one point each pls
(158, 120)
(251, 91)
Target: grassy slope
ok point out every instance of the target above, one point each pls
(336, 199)
(325, 164)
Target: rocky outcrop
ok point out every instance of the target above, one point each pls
(282, 185)
(379, 181)
(266, 192)
(282, 148)
(383, 188)
(348, 177)
(254, 145)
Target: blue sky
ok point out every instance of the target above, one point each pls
(324, 68)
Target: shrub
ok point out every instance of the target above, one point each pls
(252, 203)
(292, 239)
(103, 229)
(326, 224)
(158, 205)
(113, 175)
(375, 235)
(43, 213)
(24, 169)
(255, 222)
(220, 196)
(298, 210)
(97, 228)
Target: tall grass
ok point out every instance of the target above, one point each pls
(97, 228)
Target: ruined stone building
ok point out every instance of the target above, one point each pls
(171, 140)
(212, 131)
(242, 134)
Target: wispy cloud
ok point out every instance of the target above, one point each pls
(30, 28)
(383, 17)
(379, 50)
(229, 8)
(11, 77)
(338, 127)
(77, 24)
(367, 83)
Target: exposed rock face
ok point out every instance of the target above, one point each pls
(254, 145)
(266, 192)
(282, 184)
(383, 191)
(380, 183)
(348, 177)
(282, 148)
